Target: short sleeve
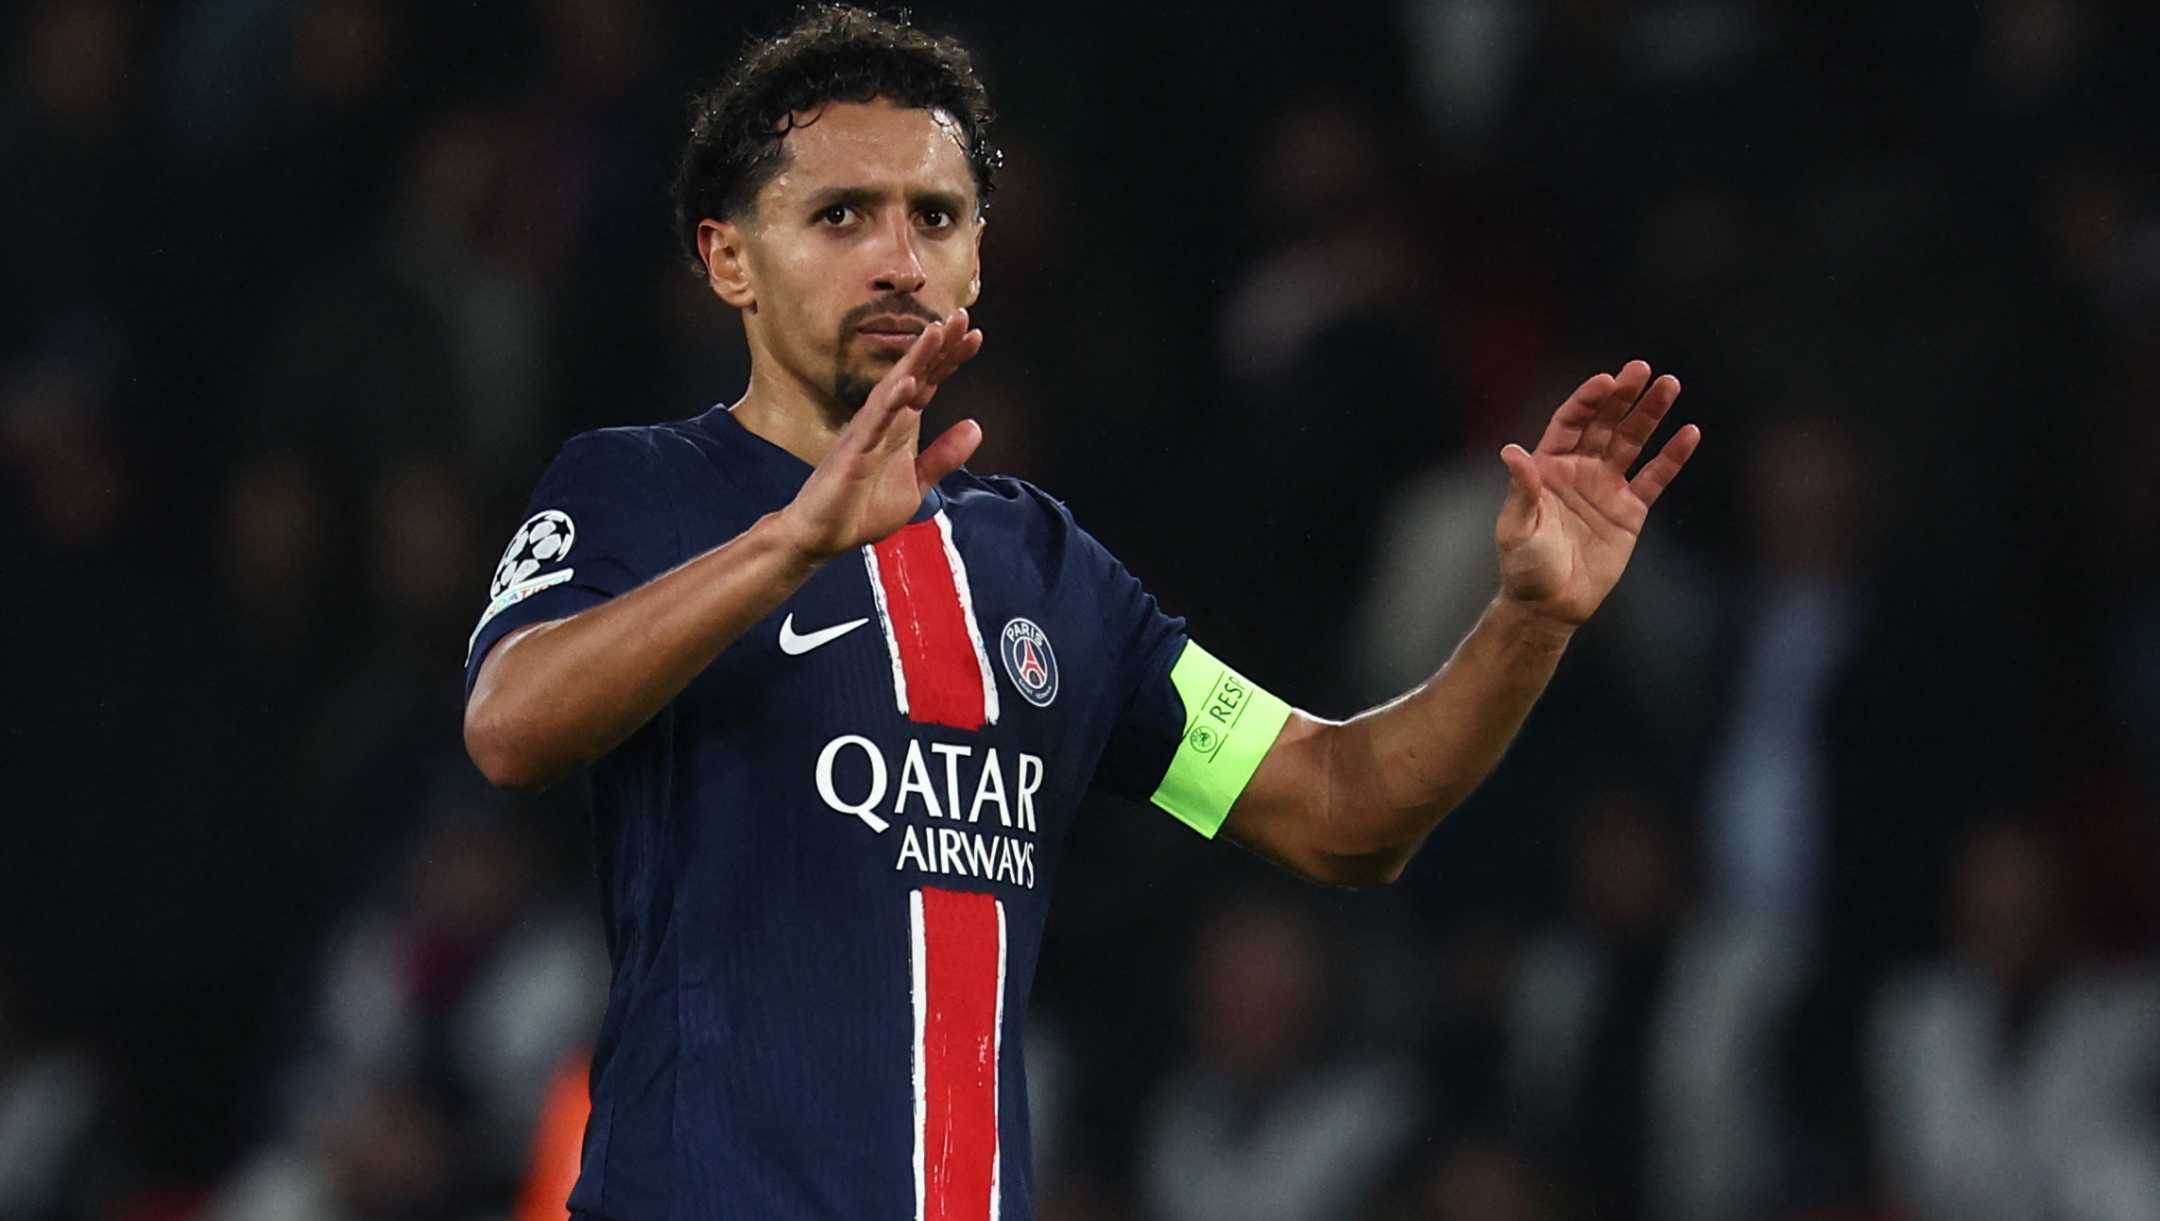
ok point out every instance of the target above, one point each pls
(599, 524)
(1192, 731)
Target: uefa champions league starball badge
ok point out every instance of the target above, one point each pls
(545, 539)
(1029, 662)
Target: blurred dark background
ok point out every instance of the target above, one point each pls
(1821, 885)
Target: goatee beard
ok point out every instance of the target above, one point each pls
(852, 389)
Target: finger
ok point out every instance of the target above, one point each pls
(905, 429)
(923, 355)
(867, 426)
(955, 446)
(924, 361)
(1627, 387)
(959, 346)
(1518, 515)
(880, 419)
(1634, 431)
(914, 364)
(962, 351)
(901, 387)
(1566, 428)
(1650, 482)
(956, 329)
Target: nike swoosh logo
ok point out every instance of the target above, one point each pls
(795, 646)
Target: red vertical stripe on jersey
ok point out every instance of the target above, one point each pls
(959, 967)
(929, 632)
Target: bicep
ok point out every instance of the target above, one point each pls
(1287, 795)
(500, 666)
(498, 707)
(1311, 807)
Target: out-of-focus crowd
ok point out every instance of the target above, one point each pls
(1822, 884)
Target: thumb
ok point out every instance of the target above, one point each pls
(1518, 517)
(944, 456)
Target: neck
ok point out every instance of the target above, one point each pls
(788, 410)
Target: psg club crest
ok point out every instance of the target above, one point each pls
(1029, 662)
(543, 540)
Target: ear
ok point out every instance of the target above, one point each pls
(727, 270)
(974, 288)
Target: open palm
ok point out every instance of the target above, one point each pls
(1572, 514)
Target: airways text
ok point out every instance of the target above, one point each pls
(853, 776)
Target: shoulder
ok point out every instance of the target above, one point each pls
(1002, 502)
(613, 480)
(964, 489)
(646, 445)
(645, 462)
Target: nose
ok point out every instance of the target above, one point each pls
(899, 270)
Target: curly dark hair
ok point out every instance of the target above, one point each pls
(834, 53)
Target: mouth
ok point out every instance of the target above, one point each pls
(893, 333)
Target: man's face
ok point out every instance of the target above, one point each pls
(866, 235)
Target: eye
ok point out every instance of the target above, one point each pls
(837, 215)
(937, 218)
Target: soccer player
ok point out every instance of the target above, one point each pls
(839, 698)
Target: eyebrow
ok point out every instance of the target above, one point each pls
(941, 199)
(868, 197)
(852, 197)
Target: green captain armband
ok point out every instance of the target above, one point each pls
(1229, 726)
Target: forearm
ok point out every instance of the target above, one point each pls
(555, 696)
(1403, 766)
(1349, 803)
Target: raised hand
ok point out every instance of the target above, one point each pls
(873, 480)
(1572, 514)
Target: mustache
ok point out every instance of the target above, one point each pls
(890, 303)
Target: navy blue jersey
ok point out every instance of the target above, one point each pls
(826, 864)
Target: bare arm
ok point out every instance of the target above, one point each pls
(1350, 802)
(552, 697)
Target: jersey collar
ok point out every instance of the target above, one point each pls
(720, 425)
